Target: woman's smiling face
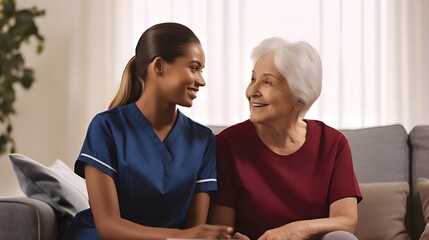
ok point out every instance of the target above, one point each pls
(183, 78)
(270, 98)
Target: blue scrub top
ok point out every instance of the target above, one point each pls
(155, 180)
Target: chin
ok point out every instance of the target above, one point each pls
(186, 104)
(254, 119)
(260, 118)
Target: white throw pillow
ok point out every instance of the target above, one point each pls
(57, 185)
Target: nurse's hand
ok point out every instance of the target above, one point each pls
(240, 236)
(206, 231)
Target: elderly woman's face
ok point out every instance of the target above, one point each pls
(268, 93)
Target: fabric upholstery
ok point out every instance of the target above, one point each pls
(380, 154)
(24, 218)
(338, 235)
(382, 211)
(56, 185)
(216, 129)
(419, 141)
(423, 188)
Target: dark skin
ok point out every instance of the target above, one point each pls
(166, 86)
(110, 225)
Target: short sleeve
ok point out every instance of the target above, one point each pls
(344, 182)
(226, 194)
(206, 180)
(98, 149)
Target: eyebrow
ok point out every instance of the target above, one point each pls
(269, 74)
(197, 62)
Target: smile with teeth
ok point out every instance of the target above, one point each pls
(193, 92)
(258, 105)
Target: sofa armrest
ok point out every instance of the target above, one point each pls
(27, 218)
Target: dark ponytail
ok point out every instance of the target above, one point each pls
(131, 87)
(166, 40)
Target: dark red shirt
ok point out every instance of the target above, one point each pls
(268, 190)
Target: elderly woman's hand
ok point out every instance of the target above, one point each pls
(291, 231)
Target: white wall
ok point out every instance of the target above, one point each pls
(41, 125)
(52, 116)
(424, 68)
(418, 57)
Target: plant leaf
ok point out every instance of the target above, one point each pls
(24, 17)
(16, 27)
(28, 78)
(8, 7)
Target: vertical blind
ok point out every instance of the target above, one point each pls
(364, 46)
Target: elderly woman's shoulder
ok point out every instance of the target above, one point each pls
(238, 129)
(321, 126)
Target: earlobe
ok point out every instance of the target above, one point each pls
(158, 65)
(299, 105)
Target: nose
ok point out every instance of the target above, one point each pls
(200, 81)
(253, 90)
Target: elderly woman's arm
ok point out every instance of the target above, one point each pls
(342, 216)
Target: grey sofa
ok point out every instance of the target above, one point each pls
(388, 162)
(390, 154)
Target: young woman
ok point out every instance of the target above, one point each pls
(148, 167)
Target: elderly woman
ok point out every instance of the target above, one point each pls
(282, 176)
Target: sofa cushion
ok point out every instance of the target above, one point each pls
(380, 154)
(382, 211)
(57, 185)
(27, 218)
(423, 187)
(419, 142)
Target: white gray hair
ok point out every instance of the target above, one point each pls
(299, 63)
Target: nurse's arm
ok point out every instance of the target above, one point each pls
(198, 210)
(224, 216)
(105, 208)
(221, 215)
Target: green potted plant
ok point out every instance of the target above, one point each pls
(17, 26)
